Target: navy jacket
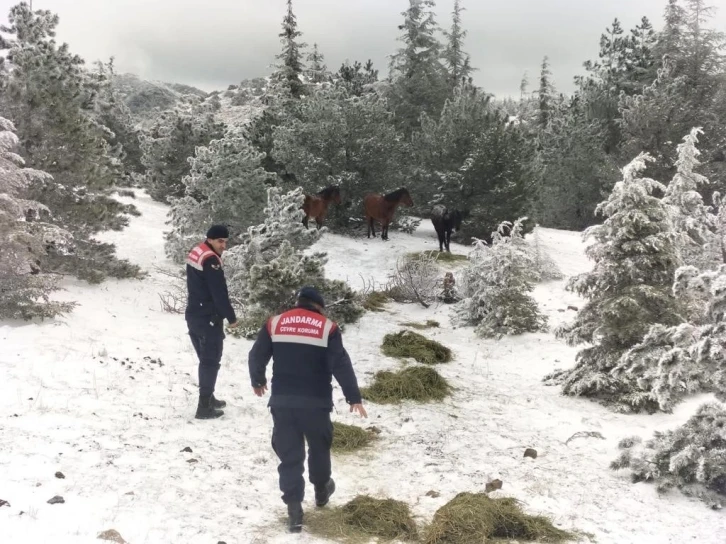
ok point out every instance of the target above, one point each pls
(207, 288)
(307, 352)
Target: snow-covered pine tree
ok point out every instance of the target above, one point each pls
(691, 457)
(170, 143)
(317, 71)
(629, 288)
(456, 60)
(270, 264)
(418, 79)
(695, 222)
(291, 67)
(674, 362)
(545, 94)
(226, 184)
(24, 236)
(52, 100)
(496, 286)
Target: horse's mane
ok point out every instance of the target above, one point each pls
(328, 191)
(395, 196)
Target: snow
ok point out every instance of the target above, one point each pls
(68, 403)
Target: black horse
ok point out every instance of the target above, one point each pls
(444, 222)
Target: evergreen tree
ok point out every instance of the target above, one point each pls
(669, 43)
(546, 93)
(317, 71)
(497, 285)
(291, 67)
(356, 77)
(227, 185)
(51, 98)
(418, 80)
(636, 255)
(24, 237)
(456, 60)
(170, 143)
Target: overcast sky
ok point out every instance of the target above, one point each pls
(213, 43)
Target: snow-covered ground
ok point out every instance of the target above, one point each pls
(107, 396)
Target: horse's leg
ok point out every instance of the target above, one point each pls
(305, 221)
(319, 222)
(448, 240)
(371, 228)
(384, 230)
(440, 236)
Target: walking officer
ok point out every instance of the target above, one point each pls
(207, 306)
(307, 352)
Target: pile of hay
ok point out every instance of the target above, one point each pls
(417, 383)
(472, 518)
(348, 438)
(375, 300)
(363, 518)
(429, 324)
(412, 344)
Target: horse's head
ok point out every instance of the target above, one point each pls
(456, 218)
(335, 195)
(406, 197)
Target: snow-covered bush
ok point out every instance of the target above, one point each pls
(496, 286)
(415, 279)
(636, 254)
(691, 457)
(24, 289)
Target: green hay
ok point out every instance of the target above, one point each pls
(418, 383)
(375, 301)
(440, 256)
(349, 438)
(412, 344)
(429, 324)
(364, 518)
(473, 518)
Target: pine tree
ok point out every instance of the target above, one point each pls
(629, 289)
(288, 72)
(354, 80)
(317, 71)
(227, 185)
(670, 40)
(545, 93)
(25, 236)
(703, 47)
(691, 457)
(169, 144)
(51, 98)
(456, 60)
(640, 65)
(497, 285)
(693, 220)
(418, 80)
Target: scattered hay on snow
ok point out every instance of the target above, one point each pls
(429, 324)
(473, 518)
(349, 438)
(363, 518)
(412, 344)
(442, 257)
(418, 383)
(375, 300)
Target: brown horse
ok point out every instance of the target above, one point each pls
(381, 208)
(316, 206)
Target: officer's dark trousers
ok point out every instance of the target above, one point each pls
(208, 341)
(292, 427)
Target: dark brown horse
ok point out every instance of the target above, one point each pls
(381, 208)
(316, 206)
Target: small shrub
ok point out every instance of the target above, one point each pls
(473, 518)
(364, 518)
(349, 438)
(417, 383)
(412, 344)
(415, 280)
(343, 304)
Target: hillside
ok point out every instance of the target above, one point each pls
(106, 396)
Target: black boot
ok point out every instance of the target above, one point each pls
(216, 403)
(294, 517)
(322, 494)
(205, 409)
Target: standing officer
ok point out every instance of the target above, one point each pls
(207, 306)
(307, 351)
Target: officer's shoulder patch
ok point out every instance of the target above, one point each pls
(216, 266)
